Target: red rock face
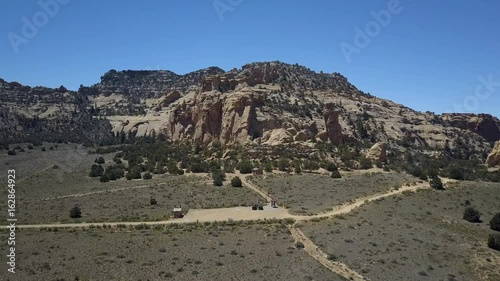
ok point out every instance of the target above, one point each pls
(212, 117)
(333, 128)
(484, 125)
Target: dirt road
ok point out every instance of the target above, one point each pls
(314, 251)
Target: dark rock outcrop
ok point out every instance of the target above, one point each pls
(333, 128)
(484, 125)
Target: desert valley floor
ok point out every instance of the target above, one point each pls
(370, 225)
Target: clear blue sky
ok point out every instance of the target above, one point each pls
(429, 56)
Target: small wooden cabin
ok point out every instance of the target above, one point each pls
(177, 212)
(257, 171)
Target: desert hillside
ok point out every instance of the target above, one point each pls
(262, 104)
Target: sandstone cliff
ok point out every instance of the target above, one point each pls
(484, 125)
(494, 157)
(269, 103)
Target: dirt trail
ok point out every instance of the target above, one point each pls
(253, 187)
(49, 166)
(102, 191)
(96, 192)
(314, 251)
(346, 208)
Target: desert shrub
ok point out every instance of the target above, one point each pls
(152, 201)
(283, 164)
(172, 167)
(115, 172)
(436, 183)
(30, 147)
(96, 171)
(494, 241)
(455, 173)
(43, 148)
(100, 160)
(416, 171)
(311, 165)
(147, 176)
(495, 222)
(335, 175)
(218, 182)
(218, 176)
(149, 166)
(299, 245)
(134, 173)
(180, 172)
(228, 167)
(198, 167)
(214, 165)
(365, 163)
(236, 182)
(245, 167)
(11, 152)
(75, 212)
(268, 167)
(432, 172)
(493, 176)
(160, 170)
(472, 215)
(104, 178)
(330, 166)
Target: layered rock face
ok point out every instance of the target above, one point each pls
(213, 117)
(34, 114)
(264, 73)
(484, 125)
(220, 83)
(494, 157)
(265, 103)
(333, 128)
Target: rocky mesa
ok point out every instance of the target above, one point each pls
(263, 103)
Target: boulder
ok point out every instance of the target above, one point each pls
(322, 136)
(292, 131)
(170, 98)
(378, 152)
(494, 157)
(302, 136)
(277, 136)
